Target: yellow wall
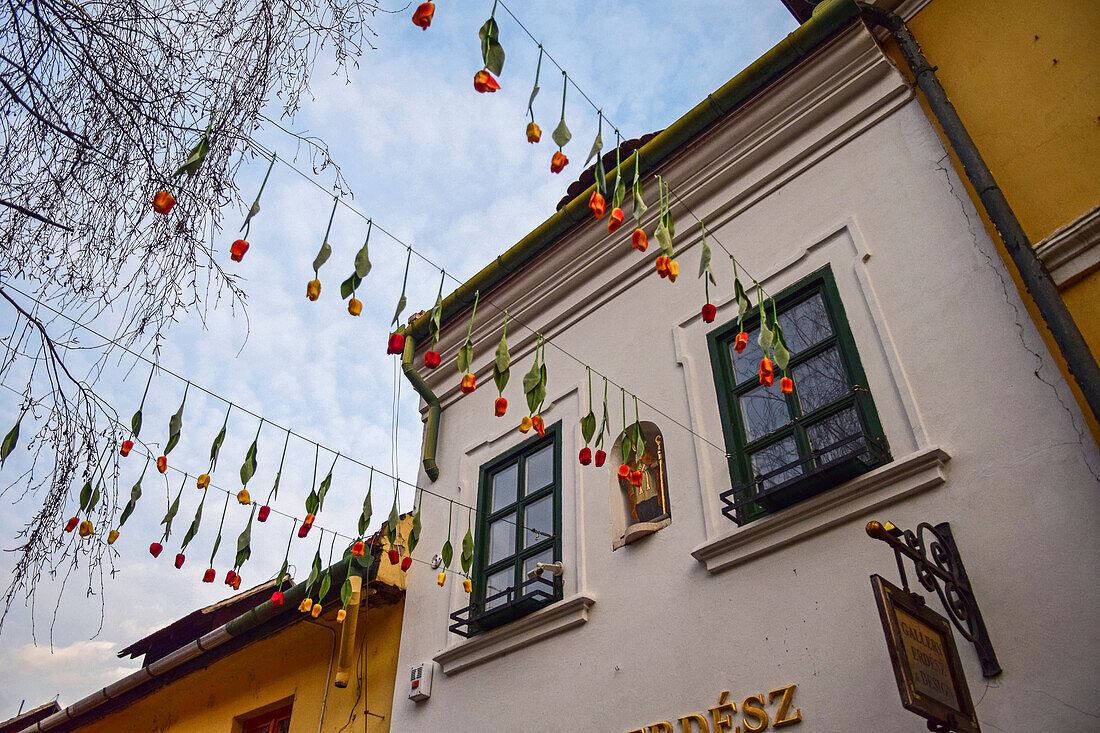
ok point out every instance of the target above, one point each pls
(292, 664)
(1023, 76)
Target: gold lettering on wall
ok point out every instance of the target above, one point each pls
(722, 717)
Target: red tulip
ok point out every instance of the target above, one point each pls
(155, 548)
(538, 425)
(162, 464)
(395, 556)
(265, 512)
(229, 577)
(766, 372)
(500, 407)
(163, 202)
(740, 342)
(358, 548)
(406, 563)
(597, 204)
(71, 524)
(636, 478)
(127, 446)
(615, 221)
(209, 575)
(469, 383)
(786, 385)
(639, 241)
(484, 82)
(179, 560)
(662, 266)
(422, 18)
(624, 471)
(277, 598)
(558, 162)
(586, 456)
(396, 343)
(432, 359)
(709, 311)
(237, 250)
(600, 458)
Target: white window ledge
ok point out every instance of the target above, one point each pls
(901, 478)
(541, 624)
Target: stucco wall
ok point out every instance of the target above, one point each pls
(836, 166)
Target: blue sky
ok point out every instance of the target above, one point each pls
(446, 170)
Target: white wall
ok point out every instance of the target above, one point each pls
(835, 165)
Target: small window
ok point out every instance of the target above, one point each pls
(519, 526)
(276, 721)
(786, 447)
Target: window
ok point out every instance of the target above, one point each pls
(276, 721)
(786, 447)
(519, 526)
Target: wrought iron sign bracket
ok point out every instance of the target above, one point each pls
(940, 570)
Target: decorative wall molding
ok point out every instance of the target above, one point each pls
(904, 477)
(1071, 252)
(544, 623)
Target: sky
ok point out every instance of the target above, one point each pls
(447, 171)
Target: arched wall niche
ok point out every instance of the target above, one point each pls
(639, 511)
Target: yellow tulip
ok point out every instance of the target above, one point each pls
(316, 610)
(305, 605)
(313, 289)
(204, 481)
(112, 536)
(86, 528)
(243, 497)
(467, 585)
(442, 578)
(341, 615)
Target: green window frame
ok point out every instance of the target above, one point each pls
(518, 527)
(766, 431)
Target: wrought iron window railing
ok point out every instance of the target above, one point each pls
(506, 605)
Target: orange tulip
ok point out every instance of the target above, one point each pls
(469, 383)
(484, 82)
(597, 204)
(342, 614)
(422, 18)
(313, 289)
(766, 372)
(615, 221)
(162, 464)
(358, 548)
(501, 407)
(534, 132)
(316, 610)
(539, 426)
(624, 471)
(163, 202)
(204, 481)
(525, 424)
(243, 497)
(786, 385)
(639, 241)
(662, 266)
(355, 307)
(558, 162)
(740, 342)
(237, 250)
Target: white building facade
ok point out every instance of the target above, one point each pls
(830, 187)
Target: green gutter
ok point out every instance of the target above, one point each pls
(829, 17)
(431, 427)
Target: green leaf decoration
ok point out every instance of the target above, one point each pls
(216, 446)
(782, 355)
(588, 427)
(597, 146)
(248, 468)
(664, 238)
(467, 556)
(435, 323)
(85, 495)
(465, 356)
(404, 282)
(9, 441)
(326, 584)
(362, 262)
(135, 423)
(194, 528)
(325, 483)
(447, 553)
(626, 445)
(704, 260)
(414, 533)
(135, 494)
(314, 573)
(197, 154)
(620, 190)
(743, 303)
(218, 539)
(95, 496)
(561, 134)
(501, 363)
(639, 204)
(400, 307)
(255, 208)
(311, 503)
(345, 592)
(364, 518)
(171, 514)
(349, 286)
(322, 256)
(391, 523)
(244, 543)
(175, 423)
(531, 379)
(766, 338)
(491, 51)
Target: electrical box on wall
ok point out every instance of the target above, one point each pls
(420, 682)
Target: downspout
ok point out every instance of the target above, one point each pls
(331, 659)
(1079, 358)
(431, 427)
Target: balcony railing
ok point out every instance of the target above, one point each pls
(506, 605)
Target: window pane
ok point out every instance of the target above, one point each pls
(833, 429)
(497, 582)
(502, 538)
(282, 726)
(538, 516)
(504, 486)
(805, 324)
(821, 380)
(530, 563)
(763, 410)
(747, 362)
(540, 469)
(776, 455)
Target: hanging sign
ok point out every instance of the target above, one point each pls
(926, 663)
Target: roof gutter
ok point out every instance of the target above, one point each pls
(829, 17)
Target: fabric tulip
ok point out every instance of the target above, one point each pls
(469, 383)
(615, 221)
(636, 478)
(673, 270)
(432, 359)
(203, 481)
(179, 560)
(163, 202)
(534, 133)
(358, 548)
(305, 605)
(766, 372)
(406, 563)
(162, 464)
(662, 266)
(237, 250)
(709, 311)
(600, 458)
(484, 82)
(341, 615)
(265, 512)
(585, 456)
(786, 385)
(422, 18)
(740, 342)
(229, 577)
(441, 578)
(155, 549)
(597, 204)
(624, 471)
(127, 446)
(71, 524)
(467, 585)
(538, 425)
(525, 424)
(316, 610)
(639, 241)
(500, 407)
(209, 575)
(304, 529)
(243, 497)
(313, 289)
(112, 536)
(236, 582)
(355, 306)
(86, 528)
(396, 344)
(277, 598)
(558, 162)
(394, 556)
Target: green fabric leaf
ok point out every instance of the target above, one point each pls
(782, 355)
(664, 238)
(345, 592)
(171, 514)
(9, 441)
(414, 533)
(326, 584)
(534, 93)
(244, 544)
(435, 323)
(135, 423)
(194, 528)
(620, 192)
(325, 483)
(597, 146)
(501, 363)
(311, 503)
(561, 134)
(314, 573)
(391, 524)
(467, 556)
(400, 307)
(216, 448)
(447, 553)
(588, 427)
(135, 494)
(704, 262)
(248, 468)
(626, 445)
(85, 495)
(348, 286)
(501, 377)
(491, 51)
(322, 256)
(95, 498)
(465, 356)
(743, 303)
(197, 155)
(364, 517)
(362, 262)
(252, 211)
(766, 337)
(175, 423)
